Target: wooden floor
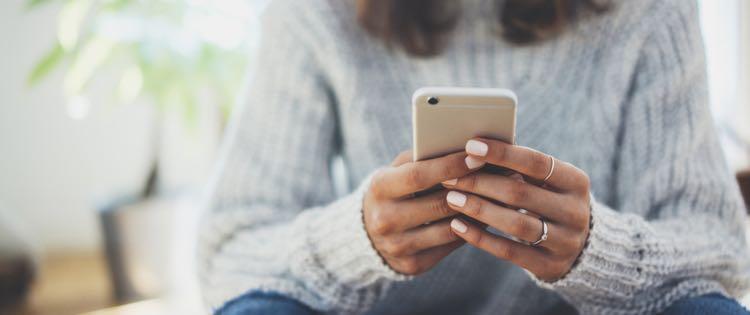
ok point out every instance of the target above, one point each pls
(69, 284)
(72, 284)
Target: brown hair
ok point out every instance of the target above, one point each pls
(422, 27)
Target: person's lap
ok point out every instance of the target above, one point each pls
(264, 303)
(706, 304)
(277, 304)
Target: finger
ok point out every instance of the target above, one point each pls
(402, 158)
(522, 255)
(418, 211)
(403, 215)
(427, 259)
(413, 177)
(529, 162)
(511, 222)
(420, 239)
(514, 193)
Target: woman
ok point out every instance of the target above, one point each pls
(615, 143)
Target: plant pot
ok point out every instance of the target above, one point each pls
(17, 265)
(743, 178)
(138, 242)
(16, 275)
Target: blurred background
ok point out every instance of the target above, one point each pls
(111, 115)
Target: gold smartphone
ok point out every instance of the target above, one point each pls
(445, 118)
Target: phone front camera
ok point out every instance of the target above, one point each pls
(433, 100)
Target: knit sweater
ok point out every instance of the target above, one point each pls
(622, 96)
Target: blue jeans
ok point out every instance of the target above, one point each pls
(706, 304)
(264, 303)
(276, 304)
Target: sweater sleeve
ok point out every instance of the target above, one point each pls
(675, 227)
(273, 222)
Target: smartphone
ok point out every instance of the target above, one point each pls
(445, 118)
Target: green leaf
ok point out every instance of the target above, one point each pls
(116, 5)
(30, 4)
(45, 65)
(94, 53)
(72, 19)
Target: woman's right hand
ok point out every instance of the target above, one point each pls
(409, 232)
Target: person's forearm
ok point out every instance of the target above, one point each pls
(636, 266)
(322, 256)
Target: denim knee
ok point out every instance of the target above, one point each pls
(270, 303)
(715, 304)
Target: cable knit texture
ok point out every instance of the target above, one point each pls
(622, 96)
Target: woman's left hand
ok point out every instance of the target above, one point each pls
(554, 193)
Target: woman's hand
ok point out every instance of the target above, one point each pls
(561, 201)
(399, 224)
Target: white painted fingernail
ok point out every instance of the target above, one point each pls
(451, 182)
(456, 198)
(473, 163)
(459, 226)
(477, 148)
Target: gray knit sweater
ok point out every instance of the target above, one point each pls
(622, 96)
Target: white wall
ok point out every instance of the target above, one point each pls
(722, 23)
(54, 170)
(745, 66)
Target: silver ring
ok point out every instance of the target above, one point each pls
(551, 169)
(544, 235)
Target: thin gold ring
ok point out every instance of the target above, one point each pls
(551, 169)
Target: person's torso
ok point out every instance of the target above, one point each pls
(571, 92)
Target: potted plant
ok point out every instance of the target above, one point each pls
(172, 54)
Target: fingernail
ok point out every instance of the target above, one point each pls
(477, 148)
(473, 163)
(459, 226)
(451, 182)
(456, 198)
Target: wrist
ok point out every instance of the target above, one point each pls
(337, 243)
